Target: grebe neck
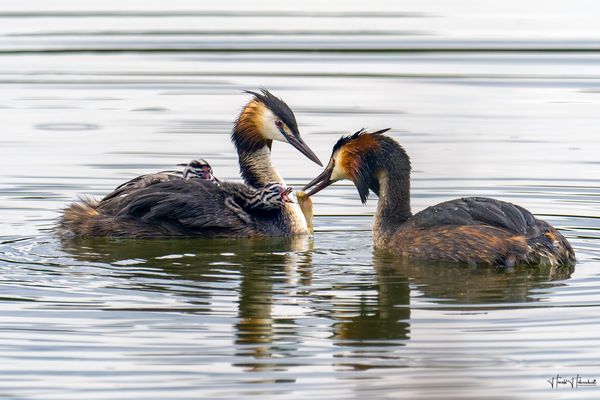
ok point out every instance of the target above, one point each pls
(253, 148)
(393, 209)
(256, 167)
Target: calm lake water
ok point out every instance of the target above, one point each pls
(496, 100)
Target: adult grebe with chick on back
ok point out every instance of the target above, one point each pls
(168, 205)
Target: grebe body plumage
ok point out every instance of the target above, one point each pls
(474, 230)
(193, 203)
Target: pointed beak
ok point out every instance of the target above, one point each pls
(321, 182)
(302, 147)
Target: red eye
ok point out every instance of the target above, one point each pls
(278, 123)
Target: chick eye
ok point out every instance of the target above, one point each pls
(278, 123)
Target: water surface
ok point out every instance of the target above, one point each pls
(494, 100)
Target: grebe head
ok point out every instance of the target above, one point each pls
(268, 118)
(274, 195)
(199, 169)
(354, 157)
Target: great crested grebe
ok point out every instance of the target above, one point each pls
(194, 203)
(474, 230)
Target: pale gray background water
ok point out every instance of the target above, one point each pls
(497, 98)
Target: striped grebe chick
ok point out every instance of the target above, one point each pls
(199, 169)
(196, 204)
(474, 230)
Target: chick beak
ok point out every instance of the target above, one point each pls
(285, 195)
(322, 181)
(302, 147)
